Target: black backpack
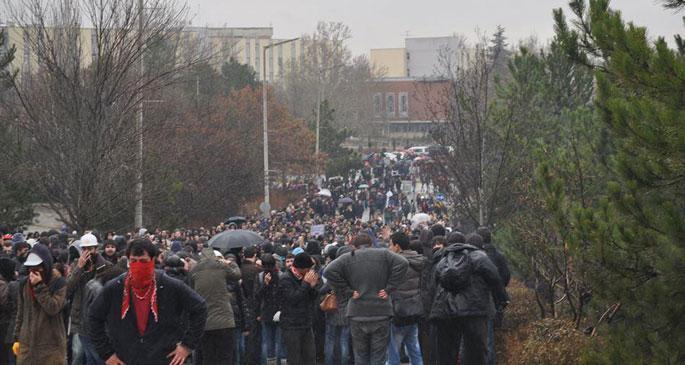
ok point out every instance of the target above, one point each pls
(454, 271)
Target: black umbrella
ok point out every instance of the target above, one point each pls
(227, 240)
(236, 220)
(346, 201)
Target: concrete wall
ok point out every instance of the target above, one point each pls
(390, 62)
(423, 54)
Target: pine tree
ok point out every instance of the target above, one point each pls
(637, 234)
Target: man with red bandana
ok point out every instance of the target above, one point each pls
(137, 318)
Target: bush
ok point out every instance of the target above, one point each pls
(526, 339)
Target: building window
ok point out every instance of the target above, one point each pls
(377, 105)
(247, 52)
(390, 105)
(257, 57)
(404, 105)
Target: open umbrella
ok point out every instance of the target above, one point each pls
(363, 186)
(325, 192)
(227, 240)
(418, 219)
(236, 220)
(346, 201)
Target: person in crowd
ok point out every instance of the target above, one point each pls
(109, 252)
(209, 279)
(407, 305)
(371, 274)
(103, 274)
(337, 324)
(298, 291)
(249, 270)
(463, 301)
(39, 328)
(242, 313)
(505, 275)
(135, 319)
(267, 304)
(175, 267)
(80, 275)
(9, 289)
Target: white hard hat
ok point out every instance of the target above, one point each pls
(33, 260)
(88, 240)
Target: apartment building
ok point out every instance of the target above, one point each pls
(216, 44)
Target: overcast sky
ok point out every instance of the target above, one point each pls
(385, 23)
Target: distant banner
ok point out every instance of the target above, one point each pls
(318, 230)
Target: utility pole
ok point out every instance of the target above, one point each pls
(138, 221)
(265, 121)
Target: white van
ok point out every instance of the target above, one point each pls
(419, 150)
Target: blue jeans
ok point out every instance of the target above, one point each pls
(337, 336)
(78, 357)
(91, 356)
(409, 337)
(491, 356)
(272, 343)
(239, 345)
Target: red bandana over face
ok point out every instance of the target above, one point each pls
(140, 281)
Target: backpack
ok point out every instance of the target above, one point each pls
(454, 271)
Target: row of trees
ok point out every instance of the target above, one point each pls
(574, 152)
(72, 140)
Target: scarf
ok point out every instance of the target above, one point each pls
(141, 281)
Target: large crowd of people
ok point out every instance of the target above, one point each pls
(346, 275)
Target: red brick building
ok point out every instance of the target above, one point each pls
(405, 108)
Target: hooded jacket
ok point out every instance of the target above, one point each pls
(476, 300)
(406, 300)
(209, 279)
(39, 327)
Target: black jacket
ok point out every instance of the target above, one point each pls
(267, 297)
(406, 300)
(474, 300)
(111, 334)
(298, 301)
(500, 262)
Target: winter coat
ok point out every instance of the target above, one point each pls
(406, 300)
(209, 279)
(267, 298)
(76, 286)
(8, 311)
(111, 334)
(500, 262)
(367, 271)
(249, 274)
(476, 300)
(298, 301)
(40, 327)
(7, 308)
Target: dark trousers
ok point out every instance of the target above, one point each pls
(370, 341)
(299, 344)
(450, 332)
(6, 354)
(217, 347)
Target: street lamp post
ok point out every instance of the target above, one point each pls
(265, 120)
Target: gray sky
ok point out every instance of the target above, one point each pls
(385, 23)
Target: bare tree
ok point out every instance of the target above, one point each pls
(329, 72)
(473, 163)
(75, 110)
